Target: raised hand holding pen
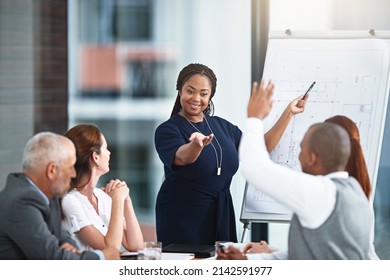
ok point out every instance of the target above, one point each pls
(298, 105)
(273, 136)
(305, 96)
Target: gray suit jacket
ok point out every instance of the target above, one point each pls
(29, 227)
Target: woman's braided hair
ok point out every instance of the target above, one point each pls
(185, 74)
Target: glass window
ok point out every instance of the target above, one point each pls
(124, 58)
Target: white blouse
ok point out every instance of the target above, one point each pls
(79, 213)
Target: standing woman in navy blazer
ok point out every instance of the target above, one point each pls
(200, 156)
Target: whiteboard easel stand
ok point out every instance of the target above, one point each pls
(247, 218)
(247, 227)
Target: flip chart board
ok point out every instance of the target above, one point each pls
(351, 71)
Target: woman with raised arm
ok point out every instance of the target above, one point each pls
(200, 156)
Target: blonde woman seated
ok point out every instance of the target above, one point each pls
(98, 216)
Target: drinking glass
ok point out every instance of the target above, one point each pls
(151, 251)
(222, 245)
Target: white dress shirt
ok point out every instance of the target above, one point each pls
(311, 198)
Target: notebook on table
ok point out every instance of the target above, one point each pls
(200, 251)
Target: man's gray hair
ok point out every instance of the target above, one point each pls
(43, 148)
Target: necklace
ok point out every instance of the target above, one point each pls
(219, 161)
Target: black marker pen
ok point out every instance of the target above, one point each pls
(309, 89)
